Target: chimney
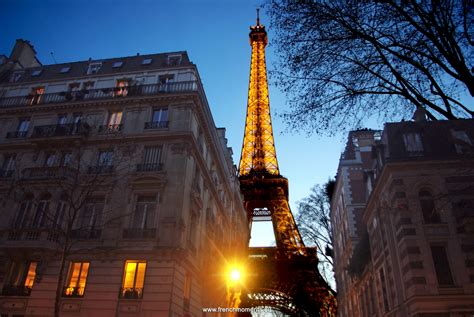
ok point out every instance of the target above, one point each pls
(419, 115)
(24, 53)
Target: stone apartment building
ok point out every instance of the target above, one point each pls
(403, 221)
(113, 169)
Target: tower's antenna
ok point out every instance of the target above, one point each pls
(258, 16)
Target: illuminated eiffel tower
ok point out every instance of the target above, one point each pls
(284, 277)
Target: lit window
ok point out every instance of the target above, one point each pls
(147, 61)
(413, 144)
(21, 278)
(16, 76)
(115, 118)
(441, 265)
(76, 281)
(117, 64)
(121, 87)
(461, 141)
(36, 94)
(430, 214)
(93, 68)
(65, 69)
(133, 279)
(144, 217)
(36, 72)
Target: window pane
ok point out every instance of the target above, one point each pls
(441, 264)
(115, 118)
(75, 271)
(129, 278)
(140, 275)
(83, 276)
(30, 276)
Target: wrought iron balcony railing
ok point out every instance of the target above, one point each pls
(17, 134)
(45, 131)
(73, 291)
(110, 128)
(153, 167)
(102, 93)
(48, 172)
(16, 290)
(156, 125)
(86, 234)
(131, 293)
(100, 169)
(139, 233)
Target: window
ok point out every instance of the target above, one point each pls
(151, 159)
(160, 115)
(187, 291)
(93, 68)
(23, 126)
(65, 69)
(441, 265)
(76, 117)
(8, 163)
(384, 290)
(87, 85)
(20, 278)
(62, 119)
(174, 60)
(144, 216)
(117, 64)
(133, 279)
(23, 213)
(36, 72)
(462, 142)
(76, 280)
(105, 158)
(58, 218)
(50, 160)
(16, 76)
(122, 87)
(91, 217)
(165, 79)
(66, 159)
(430, 214)
(42, 210)
(36, 94)
(147, 61)
(115, 118)
(413, 144)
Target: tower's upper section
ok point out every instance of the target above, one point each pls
(258, 149)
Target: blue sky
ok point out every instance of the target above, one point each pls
(215, 35)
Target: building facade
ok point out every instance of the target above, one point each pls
(115, 182)
(403, 214)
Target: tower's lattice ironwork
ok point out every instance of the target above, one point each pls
(284, 277)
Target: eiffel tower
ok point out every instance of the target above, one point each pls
(284, 277)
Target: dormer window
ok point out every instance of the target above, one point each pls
(16, 76)
(147, 61)
(174, 60)
(117, 64)
(36, 72)
(93, 68)
(65, 70)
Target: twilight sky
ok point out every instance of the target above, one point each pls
(215, 35)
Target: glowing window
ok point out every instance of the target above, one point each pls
(133, 279)
(77, 277)
(36, 95)
(21, 278)
(122, 87)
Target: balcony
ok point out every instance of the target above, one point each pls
(74, 292)
(103, 93)
(154, 167)
(156, 125)
(110, 128)
(131, 293)
(25, 234)
(55, 130)
(86, 234)
(16, 290)
(100, 169)
(17, 134)
(139, 233)
(53, 172)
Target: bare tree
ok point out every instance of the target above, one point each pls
(315, 226)
(66, 199)
(341, 62)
